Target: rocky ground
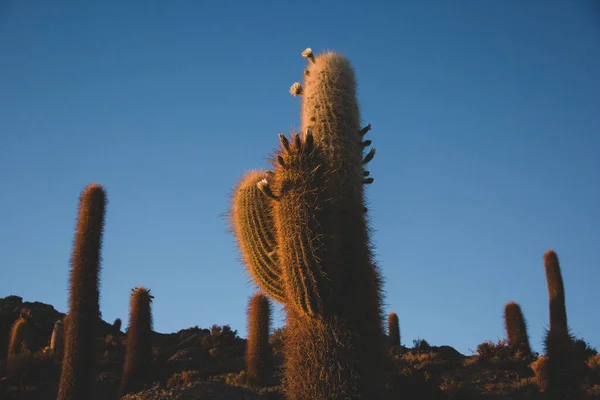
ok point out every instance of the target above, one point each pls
(199, 364)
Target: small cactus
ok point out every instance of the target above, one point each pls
(57, 339)
(516, 329)
(18, 336)
(394, 329)
(117, 325)
(259, 359)
(138, 351)
(84, 309)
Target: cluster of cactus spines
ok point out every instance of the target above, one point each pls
(315, 198)
(138, 353)
(516, 328)
(18, 335)
(394, 329)
(84, 310)
(259, 359)
(57, 339)
(252, 222)
(320, 360)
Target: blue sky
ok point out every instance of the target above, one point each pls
(485, 118)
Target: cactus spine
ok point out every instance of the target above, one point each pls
(394, 329)
(259, 362)
(330, 283)
(516, 329)
(84, 310)
(138, 356)
(57, 338)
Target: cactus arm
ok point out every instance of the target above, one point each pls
(300, 220)
(252, 222)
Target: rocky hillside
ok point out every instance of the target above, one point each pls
(200, 363)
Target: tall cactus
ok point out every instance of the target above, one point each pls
(394, 329)
(259, 359)
(324, 269)
(556, 292)
(559, 374)
(516, 328)
(138, 355)
(84, 310)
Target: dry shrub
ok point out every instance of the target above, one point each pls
(419, 361)
(540, 370)
(593, 369)
(237, 379)
(594, 392)
(183, 378)
(455, 390)
(489, 350)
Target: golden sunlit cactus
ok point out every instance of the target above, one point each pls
(259, 359)
(138, 350)
(252, 223)
(516, 329)
(331, 285)
(19, 334)
(394, 329)
(57, 339)
(84, 310)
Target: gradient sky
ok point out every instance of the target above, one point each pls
(486, 120)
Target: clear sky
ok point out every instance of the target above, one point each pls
(486, 120)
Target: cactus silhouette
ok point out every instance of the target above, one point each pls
(556, 292)
(138, 353)
(57, 339)
(559, 374)
(84, 310)
(516, 328)
(394, 329)
(259, 360)
(313, 215)
(117, 324)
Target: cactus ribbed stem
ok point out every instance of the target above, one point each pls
(342, 268)
(252, 222)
